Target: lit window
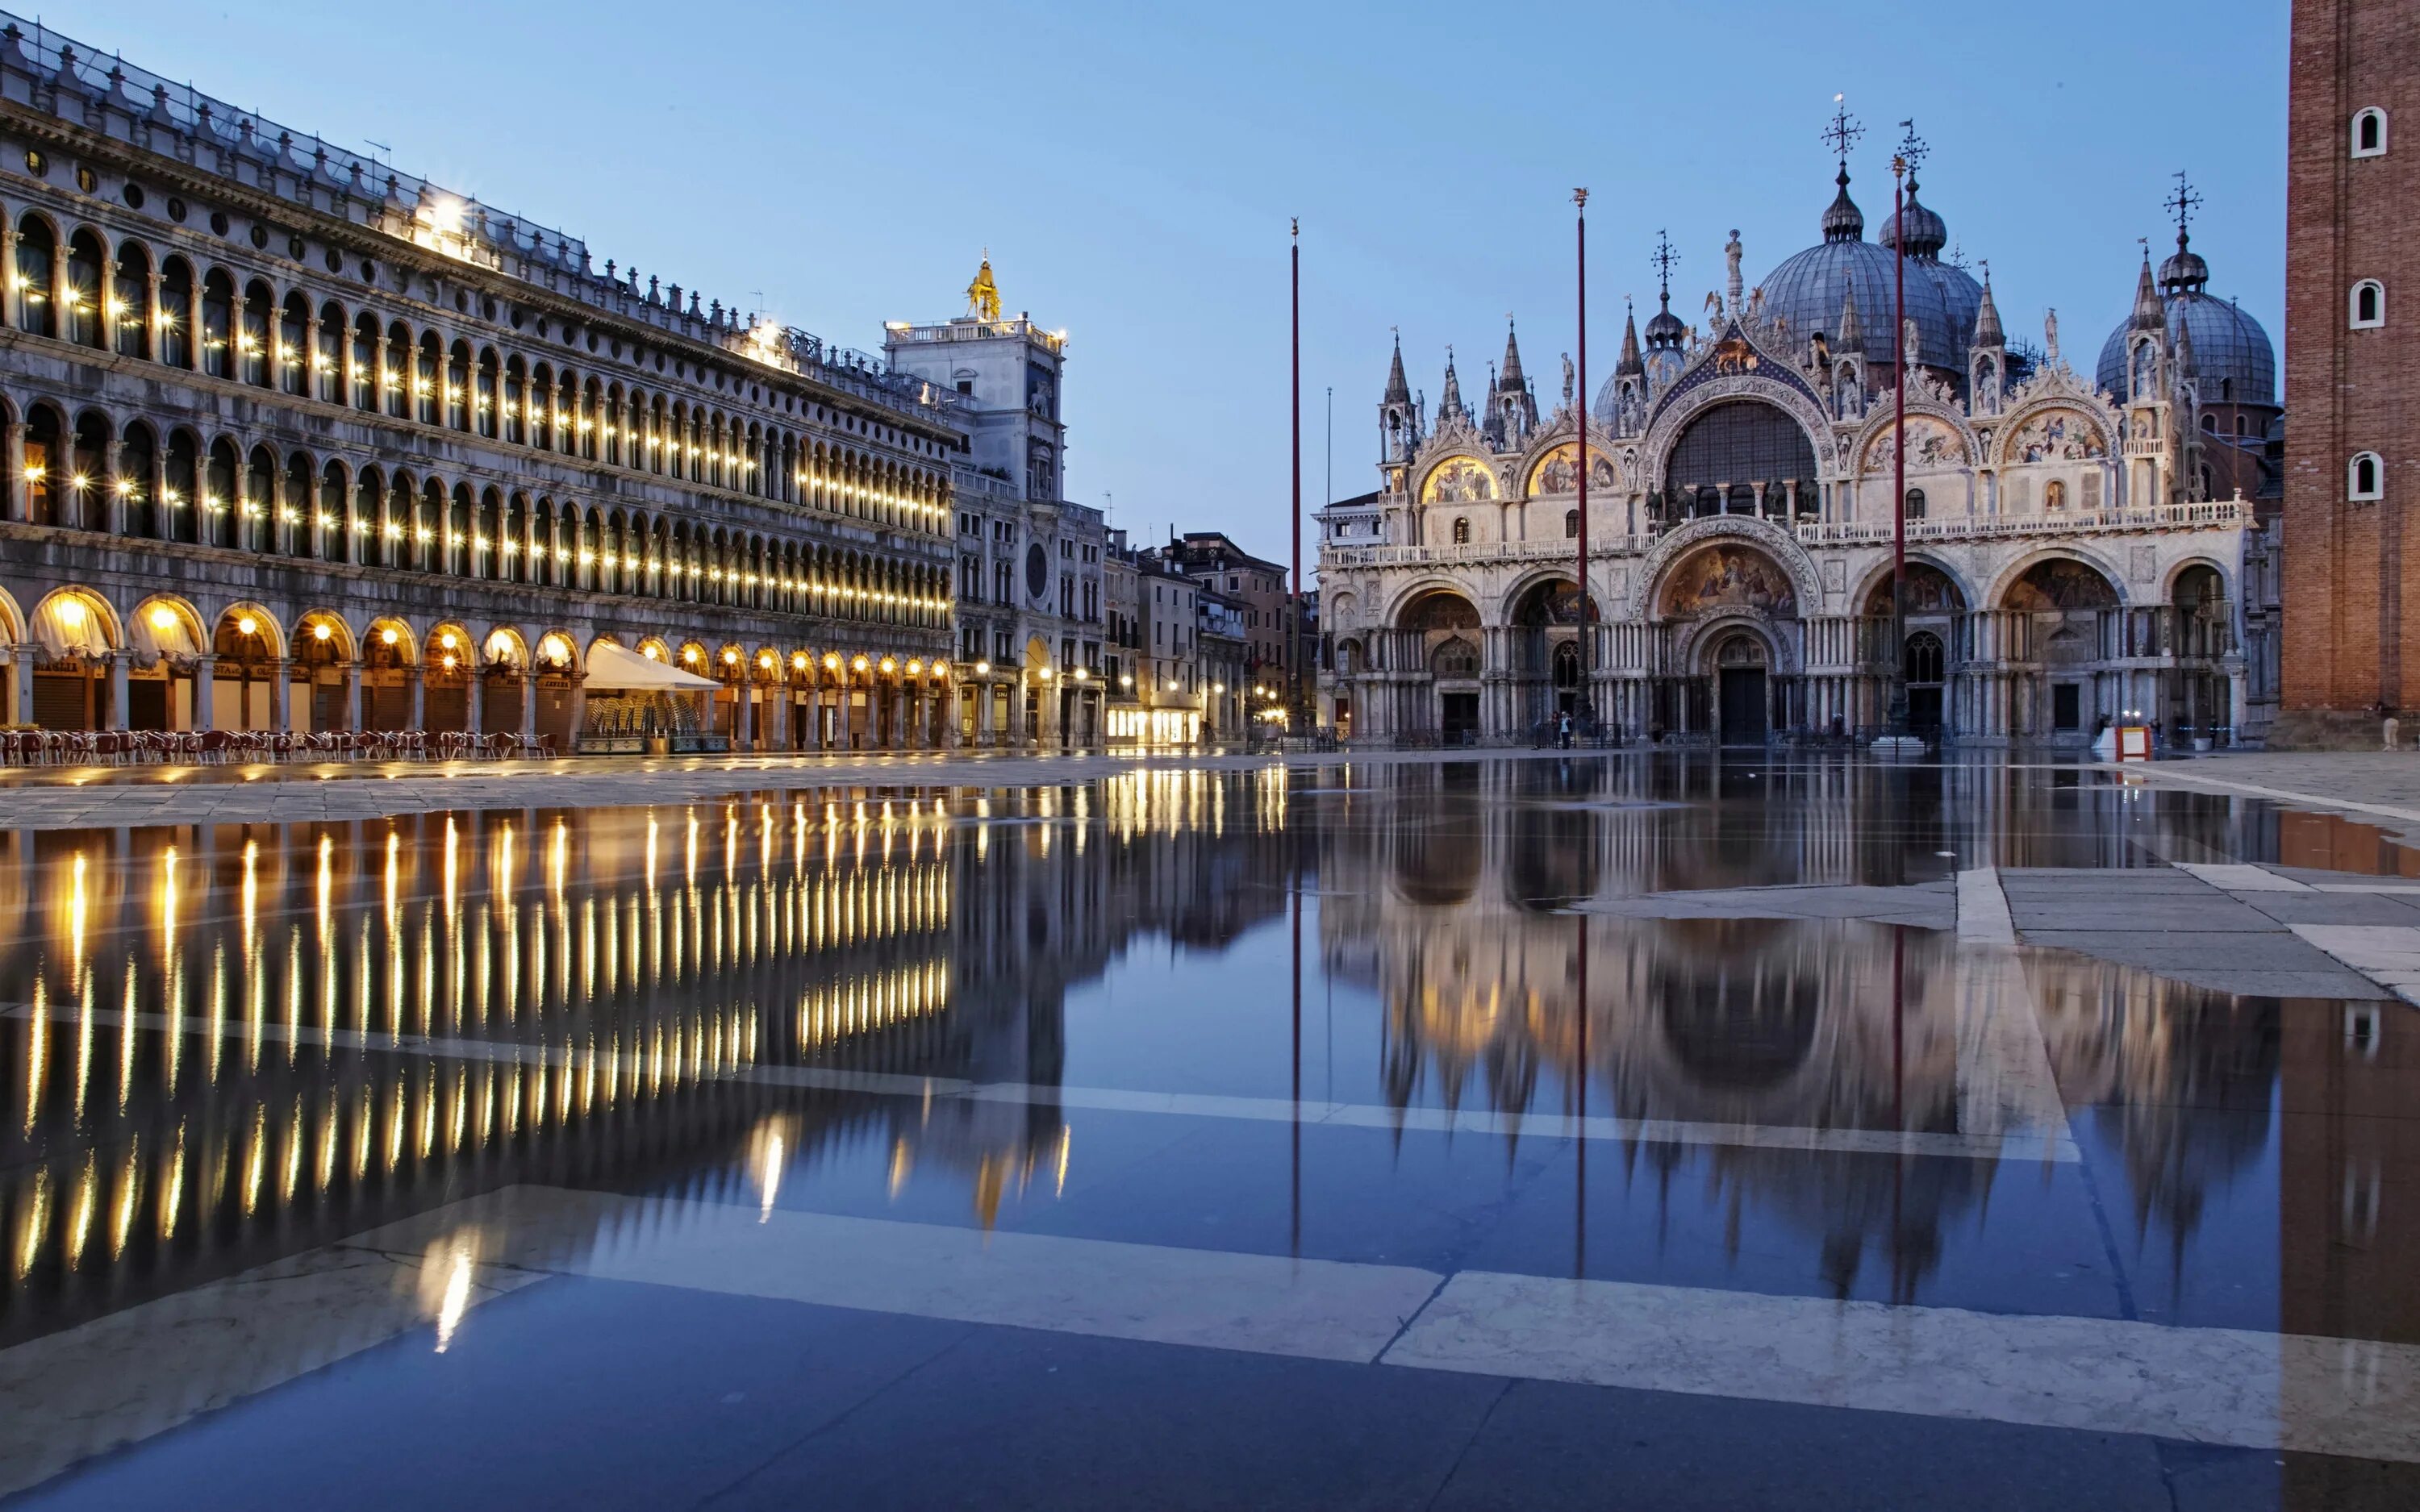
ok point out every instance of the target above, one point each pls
(2368, 132)
(2367, 309)
(2365, 477)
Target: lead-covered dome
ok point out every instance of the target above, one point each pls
(2233, 359)
(1808, 289)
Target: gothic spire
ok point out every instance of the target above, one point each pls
(1987, 316)
(1398, 390)
(2150, 315)
(1852, 336)
(1511, 379)
(1449, 402)
(1630, 365)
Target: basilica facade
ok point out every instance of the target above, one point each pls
(2080, 546)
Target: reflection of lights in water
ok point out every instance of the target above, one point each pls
(34, 1219)
(446, 1274)
(901, 1163)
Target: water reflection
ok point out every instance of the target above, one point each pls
(229, 1044)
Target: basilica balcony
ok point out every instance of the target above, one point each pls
(2215, 514)
(1479, 553)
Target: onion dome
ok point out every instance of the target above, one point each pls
(1843, 221)
(1809, 288)
(1927, 234)
(1665, 331)
(2233, 359)
(2184, 272)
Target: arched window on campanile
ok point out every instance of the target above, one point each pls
(2365, 477)
(2368, 132)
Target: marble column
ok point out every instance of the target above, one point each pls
(578, 712)
(743, 727)
(417, 717)
(352, 695)
(204, 693)
(983, 697)
(815, 716)
(475, 703)
(528, 702)
(113, 717)
(280, 696)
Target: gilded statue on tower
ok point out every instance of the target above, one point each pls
(983, 295)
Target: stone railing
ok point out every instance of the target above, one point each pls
(1479, 553)
(2217, 515)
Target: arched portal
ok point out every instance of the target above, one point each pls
(2062, 632)
(1933, 636)
(1437, 639)
(1729, 614)
(1545, 651)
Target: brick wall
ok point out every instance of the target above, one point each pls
(2352, 571)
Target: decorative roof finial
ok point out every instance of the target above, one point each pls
(1842, 133)
(2183, 202)
(1664, 257)
(1843, 221)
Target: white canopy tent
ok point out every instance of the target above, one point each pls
(613, 670)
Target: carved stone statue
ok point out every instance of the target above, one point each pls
(1731, 261)
(2050, 338)
(1567, 378)
(1910, 346)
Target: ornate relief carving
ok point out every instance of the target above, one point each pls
(2054, 434)
(1932, 441)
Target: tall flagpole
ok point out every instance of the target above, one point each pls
(1579, 402)
(1296, 704)
(1897, 707)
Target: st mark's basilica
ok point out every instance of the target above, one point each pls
(2080, 543)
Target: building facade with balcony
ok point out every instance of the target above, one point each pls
(1029, 563)
(2067, 561)
(296, 442)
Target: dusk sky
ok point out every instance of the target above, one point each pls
(1132, 169)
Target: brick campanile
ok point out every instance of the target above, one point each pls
(2352, 588)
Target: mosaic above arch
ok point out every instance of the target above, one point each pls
(1458, 480)
(1729, 576)
(1559, 471)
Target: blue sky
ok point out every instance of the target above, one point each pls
(1132, 168)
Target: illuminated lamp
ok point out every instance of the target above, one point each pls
(162, 619)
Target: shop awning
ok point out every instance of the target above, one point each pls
(611, 669)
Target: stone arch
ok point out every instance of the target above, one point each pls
(306, 634)
(1996, 596)
(1543, 590)
(166, 625)
(265, 629)
(405, 646)
(2181, 565)
(1682, 411)
(1681, 541)
(1421, 602)
(2006, 446)
(1876, 582)
(1869, 454)
(504, 646)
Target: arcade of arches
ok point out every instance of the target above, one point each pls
(1725, 651)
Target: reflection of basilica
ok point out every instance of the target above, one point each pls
(1463, 938)
(2079, 544)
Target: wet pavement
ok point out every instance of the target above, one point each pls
(1642, 1130)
